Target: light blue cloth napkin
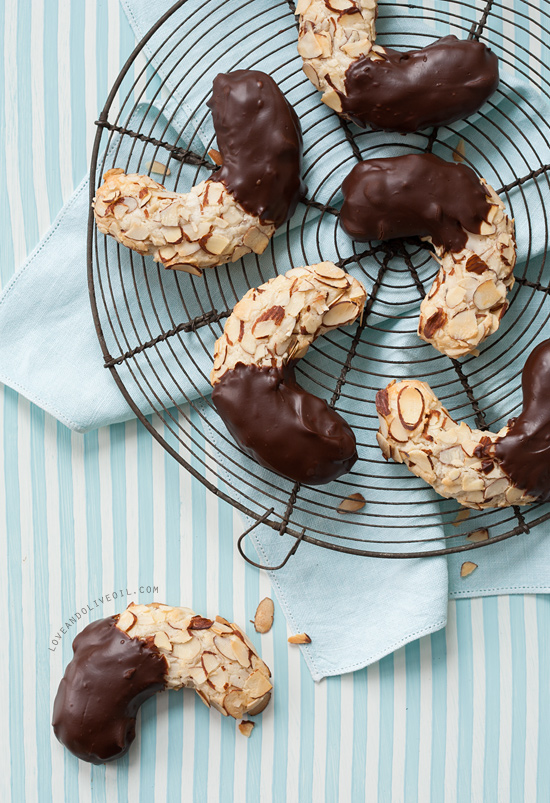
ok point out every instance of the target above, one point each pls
(355, 609)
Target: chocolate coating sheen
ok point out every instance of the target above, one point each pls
(109, 677)
(437, 85)
(524, 452)
(260, 141)
(282, 426)
(413, 195)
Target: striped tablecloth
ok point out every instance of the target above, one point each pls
(463, 715)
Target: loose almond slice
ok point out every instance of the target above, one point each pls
(246, 727)
(299, 638)
(463, 514)
(352, 503)
(476, 536)
(158, 167)
(459, 152)
(215, 156)
(467, 568)
(263, 619)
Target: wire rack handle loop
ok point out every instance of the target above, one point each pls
(290, 553)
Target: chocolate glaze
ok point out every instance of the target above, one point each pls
(282, 426)
(109, 677)
(413, 195)
(524, 453)
(260, 141)
(443, 82)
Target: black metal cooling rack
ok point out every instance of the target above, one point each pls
(350, 370)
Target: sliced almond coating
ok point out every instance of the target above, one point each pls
(205, 699)
(187, 651)
(410, 406)
(467, 568)
(257, 684)
(217, 244)
(299, 638)
(241, 651)
(487, 295)
(198, 675)
(225, 646)
(162, 641)
(126, 620)
(260, 705)
(456, 460)
(246, 727)
(257, 663)
(200, 623)
(235, 703)
(332, 99)
(207, 226)
(210, 662)
(178, 636)
(478, 535)
(341, 313)
(352, 503)
(277, 321)
(329, 270)
(263, 619)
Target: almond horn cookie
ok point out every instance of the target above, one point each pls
(234, 212)
(272, 418)
(478, 469)
(121, 661)
(450, 207)
(387, 89)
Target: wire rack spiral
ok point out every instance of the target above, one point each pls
(143, 313)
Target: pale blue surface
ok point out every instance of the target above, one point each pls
(30, 440)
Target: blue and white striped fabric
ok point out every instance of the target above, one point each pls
(463, 715)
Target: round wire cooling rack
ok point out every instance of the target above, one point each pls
(157, 327)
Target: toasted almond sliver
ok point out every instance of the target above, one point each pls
(299, 638)
(352, 503)
(467, 568)
(263, 618)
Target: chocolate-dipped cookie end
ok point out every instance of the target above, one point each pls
(282, 426)
(108, 679)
